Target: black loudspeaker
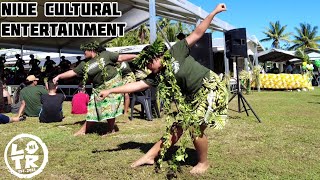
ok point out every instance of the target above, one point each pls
(202, 51)
(236, 43)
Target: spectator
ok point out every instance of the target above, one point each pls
(295, 69)
(289, 68)
(31, 97)
(7, 99)
(2, 61)
(5, 119)
(275, 70)
(20, 62)
(34, 63)
(80, 101)
(15, 106)
(79, 60)
(64, 64)
(49, 64)
(51, 110)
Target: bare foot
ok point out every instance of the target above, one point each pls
(200, 168)
(144, 160)
(109, 132)
(79, 133)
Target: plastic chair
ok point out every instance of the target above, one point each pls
(318, 80)
(148, 101)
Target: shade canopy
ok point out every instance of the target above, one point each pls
(134, 13)
(276, 55)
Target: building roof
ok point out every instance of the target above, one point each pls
(276, 55)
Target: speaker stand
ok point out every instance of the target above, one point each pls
(241, 100)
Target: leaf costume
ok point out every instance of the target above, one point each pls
(103, 72)
(200, 96)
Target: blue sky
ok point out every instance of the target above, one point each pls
(255, 15)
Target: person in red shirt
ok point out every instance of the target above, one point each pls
(80, 102)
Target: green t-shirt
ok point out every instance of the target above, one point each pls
(32, 97)
(125, 69)
(188, 72)
(108, 60)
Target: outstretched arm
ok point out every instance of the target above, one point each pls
(128, 88)
(126, 57)
(203, 26)
(65, 75)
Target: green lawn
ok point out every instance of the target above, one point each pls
(286, 145)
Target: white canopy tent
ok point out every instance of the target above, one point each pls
(134, 13)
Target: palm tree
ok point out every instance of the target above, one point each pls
(301, 54)
(307, 37)
(276, 34)
(129, 39)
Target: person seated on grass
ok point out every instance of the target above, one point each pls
(80, 101)
(7, 99)
(16, 103)
(51, 110)
(6, 119)
(30, 95)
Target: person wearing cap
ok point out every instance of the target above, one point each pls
(31, 97)
(200, 95)
(102, 69)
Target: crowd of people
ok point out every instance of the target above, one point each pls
(17, 74)
(201, 88)
(289, 68)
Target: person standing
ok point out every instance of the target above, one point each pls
(102, 69)
(191, 84)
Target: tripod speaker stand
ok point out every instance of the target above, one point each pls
(236, 46)
(241, 100)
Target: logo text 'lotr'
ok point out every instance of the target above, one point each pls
(23, 161)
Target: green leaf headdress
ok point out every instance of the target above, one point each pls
(157, 49)
(92, 46)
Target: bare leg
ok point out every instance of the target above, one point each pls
(149, 157)
(84, 128)
(126, 103)
(201, 145)
(111, 125)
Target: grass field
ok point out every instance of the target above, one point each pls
(286, 145)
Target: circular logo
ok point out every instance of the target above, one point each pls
(26, 155)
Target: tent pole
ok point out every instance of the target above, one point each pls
(152, 21)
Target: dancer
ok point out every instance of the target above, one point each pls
(200, 88)
(102, 69)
